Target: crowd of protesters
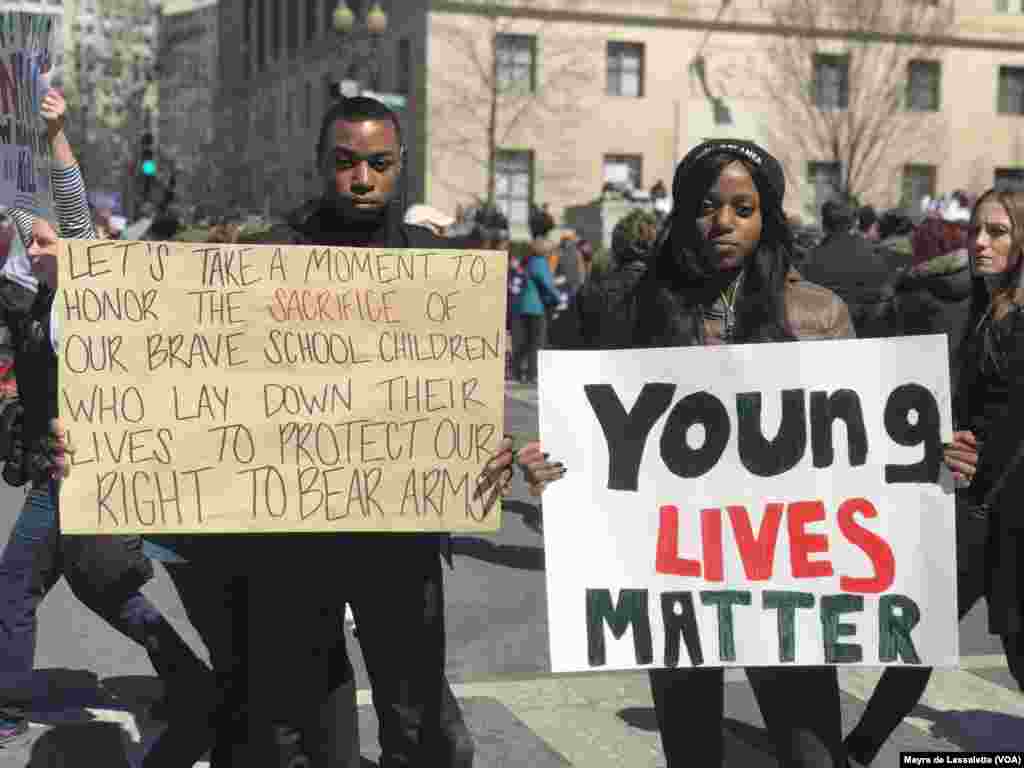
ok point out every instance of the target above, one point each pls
(724, 265)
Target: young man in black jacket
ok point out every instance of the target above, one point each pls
(392, 581)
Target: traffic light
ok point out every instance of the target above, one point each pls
(147, 158)
(147, 164)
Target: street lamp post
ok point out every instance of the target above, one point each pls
(352, 30)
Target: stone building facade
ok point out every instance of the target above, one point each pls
(188, 68)
(641, 83)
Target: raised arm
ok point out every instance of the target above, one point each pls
(69, 194)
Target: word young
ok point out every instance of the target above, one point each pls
(911, 419)
(897, 617)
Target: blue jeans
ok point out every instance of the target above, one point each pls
(30, 565)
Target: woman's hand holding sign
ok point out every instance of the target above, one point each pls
(537, 470)
(496, 476)
(961, 456)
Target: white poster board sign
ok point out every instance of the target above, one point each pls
(750, 505)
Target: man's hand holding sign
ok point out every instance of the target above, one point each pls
(766, 505)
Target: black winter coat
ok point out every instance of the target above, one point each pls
(602, 314)
(994, 405)
(930, 299)
(851, 268)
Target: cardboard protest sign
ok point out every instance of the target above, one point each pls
(229, 388)
(754, 505)
(26, 42)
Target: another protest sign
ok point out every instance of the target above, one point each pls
(750, 505)
(228, 388)
(26, 41)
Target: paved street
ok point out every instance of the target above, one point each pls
(93, 686)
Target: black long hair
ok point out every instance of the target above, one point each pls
(671, 296)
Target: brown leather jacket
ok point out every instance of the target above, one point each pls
(603, 315)
(815, 312)
(812, 311)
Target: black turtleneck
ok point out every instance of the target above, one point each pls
(329, 226)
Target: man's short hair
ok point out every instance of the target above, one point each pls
(490, 224)
(356, 110)
(836, 217)
(866, 218)
(541, 222)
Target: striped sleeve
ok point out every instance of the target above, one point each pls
(73, 216)
(23, 221)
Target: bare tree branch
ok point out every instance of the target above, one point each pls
(480, 114)
(874, 132)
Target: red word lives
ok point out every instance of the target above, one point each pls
(757, 550)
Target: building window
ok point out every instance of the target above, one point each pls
(292, 118)
(310, 20)
(273, 115)
(309, 106)
(329, 90)
(624, 170)
(1009, 6)
(1011, 90)
(514, 185)
(261, 34)
(918, 183)
(247, 12)
(292, 16)
(625, 69)
(826, 180)
(275, 45)
(516, 57)
(831, 81)
(404, 78)
(923, 82)
(1009, 179)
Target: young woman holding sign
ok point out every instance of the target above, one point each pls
(722, 273)
(985, 458)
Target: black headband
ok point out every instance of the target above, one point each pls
(765, 165)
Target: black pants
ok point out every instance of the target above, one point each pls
(900, 688)
(215, 602)
(276, 643)
(528, 332)
(396, 591)
(800, 706)
(261, 611)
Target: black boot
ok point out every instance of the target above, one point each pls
(191, 700)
